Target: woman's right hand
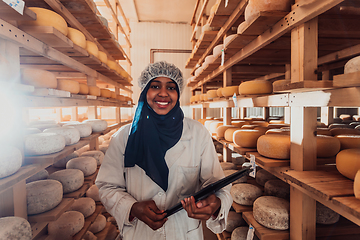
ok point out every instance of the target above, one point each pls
(149, 213)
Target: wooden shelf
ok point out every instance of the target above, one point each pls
(241, 208)
(347, 80)
(53, 214)
(78, 193)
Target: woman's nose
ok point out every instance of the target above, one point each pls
(163, 91)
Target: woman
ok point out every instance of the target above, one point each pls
(159, 160)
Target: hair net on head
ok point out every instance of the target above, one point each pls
(161, 69)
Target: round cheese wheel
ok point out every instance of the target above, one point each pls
(93, 192)
(245, 194)
(99, 224)
(120, 98)
(240, 233)
(83, 89)
(192, 99)
(213, 126)
(353, 65)
(85, 129)
(68, 85)
(230, 91)
(228, 166)
(234, 220)
(220, 131)
(77, 37)
(208, 122)
(339, 125)
(43, 143)
(211, 94)
(325, 215)
(71, 134)
(327, 146)
(45, 17)
(219, 92)
(198, 71)
(113, 95)
(71, 179)
(342, 131)
(272, 212)
(68, 224)
(323, 131)
(106, 93)
(217, 50)
(232, 171)
(228, 39)
(98, 155)
(103, 148)
(345, 117)
(83, 149)
(239, 123)
(246, 138)
(262, 176)
(85, 205)
(97, 125)
(209, 59)
(112, 64)
(90, 236)
(241, 28)
(10, 160)
(102, 57)
(277, 188)
(357, 185)
(15, 228)
(197, 98)
(43, 195)
(348, 162)
(229, 133)
(38, 78)
(94, 91)
(349, 141)
(92, 48)
(256, 6)
(356, 118)
(255, 87)
(62, 162)
(87, 165)
(274, 146)
(41, 175)
(238, 160)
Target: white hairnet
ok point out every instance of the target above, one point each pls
(161, 69)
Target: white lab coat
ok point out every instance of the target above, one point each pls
(192, 163)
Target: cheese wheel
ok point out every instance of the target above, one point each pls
(245, 194)
(90, 236)
(238, 160)
(234, 220)
(239, 123)
(349, 141)
(120, 98)
(199, 70)
(71, 179)
(83, 149)
(113, 95)
(38, 78)
(102, 57)
(209, 59)
(10, 160)
(240, 233)
(98, 155)
(211, 94)
(220, 131)
(353, 65)
(92, 48)
(228, 172)
(345, 117)
(68, 224)
(357, 185)
(325, 215)
(62, 162)
(83, 89)
(348, 162)
(327, 146)
(229, 134)
(43, 195)
(97, 125)
(342, 131)
(219, 92)
(256, 6)
(43, 143)
(274, 146)
(85, 129)
(68, 85)
(277, 188)
(85, 205)
(15, 228)
(106, 93)
(323, 131)
(228, 166)
(93, 192)
(262, 176)
(99, 224)
(272, 212)
(45, 17)
(103, 148)
(112, 64)
(42, 127)
(94, 90)
(41, 175)
(71, 134)
(339, 125)
(246, 138)
(260, 123)
(248, 126)
(242, 27)
(87, 165)
(228, 39)
(217, 50)
(208, 122)
(192, 99)
(356, 118)
(213, 127)
(77, 37)
(278, 131)
(255, 87)
(230, 91)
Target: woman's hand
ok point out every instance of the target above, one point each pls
(203, 209)
(149, 213)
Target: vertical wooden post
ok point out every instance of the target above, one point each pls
(327, 115)
(19, 195)
(58, 114)
(203, 109)
(227, 81)
(117, 109)
(74, 114)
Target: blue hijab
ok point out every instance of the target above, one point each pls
(151, 135)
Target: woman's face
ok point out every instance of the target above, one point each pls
(162, 95)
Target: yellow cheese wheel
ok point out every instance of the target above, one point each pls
(327, 146)
(255, 87)
(357, 185)
(278, 131)
(256, 6)
(106, 93)
(349, 141)
(260, 123)
(239, 123)
(342, 131)
(229, 134)
(348, 162)
(230, 91)
(213, 127)
(77, 37)
(45, 17)
(247, 138)
(84, 89)
(219, 92)
(323, 131)
(211, 94)
(197, 98)
(102, 57)
(112, 64)
(262, 129)
(121, 98)
(68, 85)
(248, 126)
(220, 131)
(276, 121)
(192, 99)
(38, 78)
(274, 146)
(113, 95)
(92, 48)
(203, 97)
(94, 90)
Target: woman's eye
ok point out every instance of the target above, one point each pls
(154, 86)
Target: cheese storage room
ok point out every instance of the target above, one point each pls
(179, 119)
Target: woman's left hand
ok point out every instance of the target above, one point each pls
(203, 209)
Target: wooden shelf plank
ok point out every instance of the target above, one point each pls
(268, 162)
(53, 214)
(347, 80)
(38, 230)
(78, 193)
(342, 228)
(304, 86)
(241, 208)
(349, 204)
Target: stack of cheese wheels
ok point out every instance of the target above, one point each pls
(15, 228)
(92, 48)
(349, 141)
(240, 233)
(99, 224)
(45, 17)
(348, 162)
(228, 166)
(220, 131)
(43, 143)
(83, 89)
(277, 188)
(67, 225)
(10, 160)
(327, 146)
(43, 195)
(94, 90)
(342, 131)
(87, 165)
(229, 134)
(97, 125)
(262, 176)
(85, 129)
(325, 215)
(353, 65)
(98, 155)
(255, 87)
(228, 172)
(106, 93)
(245, 193)
(85, 205)
(274, 146)
(217, 50)
(234, 220)
(103, 57)
(214, 126)
(272, 212)
(211, 94)
(230, 91)
(256, 6)
(247, 138)
(71, 179)
(77, 37)
(71, 86)
(38, 78)
(71, 134)
(93, 192)
(41, 175)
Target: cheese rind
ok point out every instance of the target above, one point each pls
(353, 65)
(234, 220)
(230, 91)
(255, 6)
(106, 93)
(71, 179)
(327, 146)
(97, 125)
(71, 134)
(15, 228)
(262, 176)
(77, 37)
(41, 175)
(99, 224)
(84, 129)
(38, 78)
(94, 91)
(239, 233)
(357, 185)
(220, 131)
(43, 143)
(246, 138)
(228, 172)
(98, 155)
(102, 57)
(92, 48)
(68, 224)
(62, 162)
(348, 162)
(229, 134)
(325, 215)
(255, 87)
(68, 85)
(85, 205)
(87, 165)
(277, 188)
(83, 89)
(228, 166)
(93, 192)
(10, 160)
(245, 194)
(274, 146)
